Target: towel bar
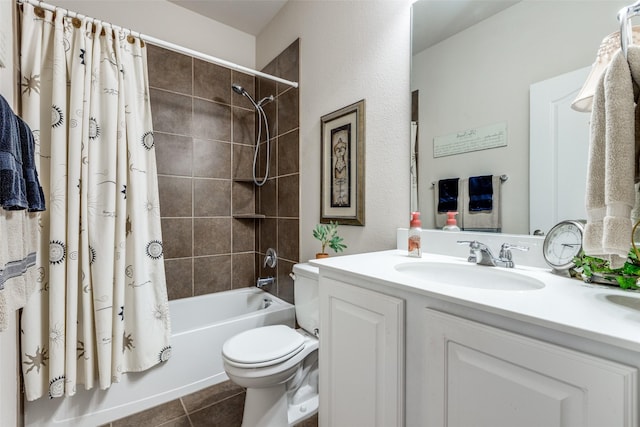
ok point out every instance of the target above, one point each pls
(503, 178)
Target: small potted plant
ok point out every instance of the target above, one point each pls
(328, 236)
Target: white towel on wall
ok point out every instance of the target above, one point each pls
(481, 220)
(18, 242)
(610, 194)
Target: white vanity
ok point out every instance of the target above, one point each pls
(400, 346)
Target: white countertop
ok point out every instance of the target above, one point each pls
(602, 313)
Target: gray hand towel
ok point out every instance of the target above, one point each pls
(610, 192)
(483, 220)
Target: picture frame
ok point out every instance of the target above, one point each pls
(342, 165)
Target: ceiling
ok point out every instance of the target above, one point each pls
(433, 20)
(249, 16)
(436, 20)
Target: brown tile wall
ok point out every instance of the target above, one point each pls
(205, 134)
(279, 198)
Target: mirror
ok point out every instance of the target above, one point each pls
(474, 70)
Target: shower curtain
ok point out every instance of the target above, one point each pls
(101, 306)
(413, 167)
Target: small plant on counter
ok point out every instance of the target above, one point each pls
(597, 270)
(328, 236)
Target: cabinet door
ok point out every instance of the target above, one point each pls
(361, 357)
(482, 376)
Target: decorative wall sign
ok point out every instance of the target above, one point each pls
(342, 167)
(481, 138)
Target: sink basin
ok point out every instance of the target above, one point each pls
(629, 302)
(469, 276)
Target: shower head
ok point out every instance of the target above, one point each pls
(238, 89)
(242, 91)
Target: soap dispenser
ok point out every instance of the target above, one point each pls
(415, 234)
(451, 222)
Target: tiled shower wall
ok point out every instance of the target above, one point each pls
(278, 198)
(205, 136)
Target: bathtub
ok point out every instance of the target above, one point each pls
(200, 325)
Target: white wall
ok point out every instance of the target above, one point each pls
(9, 398)
(172, 23)
(481, 76)
(350, 50)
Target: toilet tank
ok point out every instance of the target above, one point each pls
(305, 297)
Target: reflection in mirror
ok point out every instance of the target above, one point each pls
(473, 74)
(557, 155)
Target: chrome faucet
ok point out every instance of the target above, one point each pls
(481, 254)
(265, 281)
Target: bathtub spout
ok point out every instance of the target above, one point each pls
(264, 281)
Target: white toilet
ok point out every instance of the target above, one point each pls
(278, 365)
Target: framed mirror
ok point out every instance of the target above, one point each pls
(473, 65)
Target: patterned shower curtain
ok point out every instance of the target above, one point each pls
(101, 309)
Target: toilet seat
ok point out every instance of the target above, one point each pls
(261, 347)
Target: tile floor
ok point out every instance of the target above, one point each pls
(220, 405)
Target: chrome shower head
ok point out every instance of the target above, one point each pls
(238, 89)
(242, 91)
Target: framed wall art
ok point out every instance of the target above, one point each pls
(342, 166)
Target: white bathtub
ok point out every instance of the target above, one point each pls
(200, 325)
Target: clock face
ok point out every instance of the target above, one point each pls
(562, 244)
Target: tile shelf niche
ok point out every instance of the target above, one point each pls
(247, 215)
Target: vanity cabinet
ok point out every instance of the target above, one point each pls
(361, 357)
(393, 357)
(477, 375)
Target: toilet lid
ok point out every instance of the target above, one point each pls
(264, 346)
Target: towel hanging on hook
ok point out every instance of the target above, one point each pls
(624, 15)
(608, 47)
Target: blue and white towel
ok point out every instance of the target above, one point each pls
(19, 184)
(21, 197)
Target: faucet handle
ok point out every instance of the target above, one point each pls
(507, 246)
(270, 258)
(505, 251)
(473, 244)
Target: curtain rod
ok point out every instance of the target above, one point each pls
(165, 44)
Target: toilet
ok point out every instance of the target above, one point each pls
(278, 365)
